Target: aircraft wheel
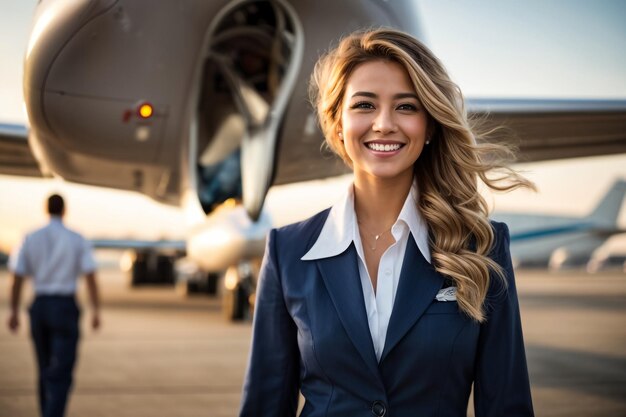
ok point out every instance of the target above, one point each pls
(164, 273)
(236, 295)
(211, 283)
(236, 303)
(140, 272)
(193, 287)
(207, 284)
(150, 268)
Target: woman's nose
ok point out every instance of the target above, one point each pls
(384, 122)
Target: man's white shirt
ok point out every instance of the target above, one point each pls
(54, 256)
(341, 229)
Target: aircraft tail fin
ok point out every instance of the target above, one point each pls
(609, 207)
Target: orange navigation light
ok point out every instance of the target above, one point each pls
(145, 110)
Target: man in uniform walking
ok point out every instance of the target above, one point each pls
(55, 257)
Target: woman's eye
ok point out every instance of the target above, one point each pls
(407, 107)
(362, 105)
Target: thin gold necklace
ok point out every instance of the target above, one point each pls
(376, 237)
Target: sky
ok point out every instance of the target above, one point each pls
(533, 48)
(504, 48)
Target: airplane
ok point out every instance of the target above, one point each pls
(204, 105)
(559, 242)
(604, 259)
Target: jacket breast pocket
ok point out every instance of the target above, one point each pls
(443, 307)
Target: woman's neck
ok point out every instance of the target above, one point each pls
(378, 202)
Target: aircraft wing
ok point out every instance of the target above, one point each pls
(155, 245)
(607, 233)
(568, 229)
(545, 129)
(16, 157)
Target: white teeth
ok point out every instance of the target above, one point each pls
(383, 148)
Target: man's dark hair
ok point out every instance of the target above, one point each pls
(55, 205)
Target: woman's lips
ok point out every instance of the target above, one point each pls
(384, 148)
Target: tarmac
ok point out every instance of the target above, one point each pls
(160, 353)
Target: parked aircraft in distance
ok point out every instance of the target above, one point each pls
(602, 260)
(211, 111)
(556, 241)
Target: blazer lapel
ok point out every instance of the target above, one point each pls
(341, 277)
(417, 288)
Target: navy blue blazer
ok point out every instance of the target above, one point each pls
(310, 333)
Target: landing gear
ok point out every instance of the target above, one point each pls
(191, 280)
(206, 284)
(237, 293)
(239, 288)
(150, 268)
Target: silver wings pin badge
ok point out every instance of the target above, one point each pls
(446, 294)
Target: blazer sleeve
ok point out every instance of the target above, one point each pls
(501, 385)
(272, 379)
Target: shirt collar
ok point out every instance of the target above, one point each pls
(56, 220)
(339, 228)
(337, 233)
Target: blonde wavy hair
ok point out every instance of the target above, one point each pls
(447, 171)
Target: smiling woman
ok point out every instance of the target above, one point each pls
(384, 127)
(384, 88)
(364, 304)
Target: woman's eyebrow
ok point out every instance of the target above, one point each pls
(395, 96)
(364, 94)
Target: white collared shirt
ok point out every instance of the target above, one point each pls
(54, 256)
(341, 229)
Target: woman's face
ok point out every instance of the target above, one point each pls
(383, 124)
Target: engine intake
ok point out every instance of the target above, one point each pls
(253, 58)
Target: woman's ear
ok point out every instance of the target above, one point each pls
(430, 130)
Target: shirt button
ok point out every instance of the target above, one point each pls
(379, 409)
(387, 272)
